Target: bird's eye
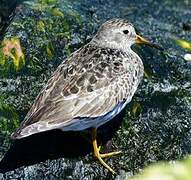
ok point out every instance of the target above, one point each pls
(126, 31)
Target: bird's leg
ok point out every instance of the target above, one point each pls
(97, 153)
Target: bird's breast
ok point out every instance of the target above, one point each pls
(133, 74)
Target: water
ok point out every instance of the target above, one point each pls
(156, 125)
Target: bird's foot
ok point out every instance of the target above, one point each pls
(100, 156)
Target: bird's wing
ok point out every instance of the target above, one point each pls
(86, 85)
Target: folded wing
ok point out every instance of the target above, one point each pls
(87, 85)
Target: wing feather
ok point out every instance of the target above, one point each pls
(87, 84)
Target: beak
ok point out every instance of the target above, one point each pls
(141, 40)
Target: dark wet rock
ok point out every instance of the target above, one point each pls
(157, 123)
(186, 26)
(7, 12)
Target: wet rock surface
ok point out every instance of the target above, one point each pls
(156, 125)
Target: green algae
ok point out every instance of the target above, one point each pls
(169, 171)
(9, 118)
(184, 44)
(11, 50)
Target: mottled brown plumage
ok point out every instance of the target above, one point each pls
(90, 83)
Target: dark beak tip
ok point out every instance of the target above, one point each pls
(159, 47)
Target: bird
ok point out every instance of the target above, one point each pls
(91, 86)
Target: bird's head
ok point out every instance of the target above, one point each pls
(119, 34)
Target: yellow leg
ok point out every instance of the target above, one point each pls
(97, 153)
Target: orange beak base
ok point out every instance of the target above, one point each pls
(141, 40)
